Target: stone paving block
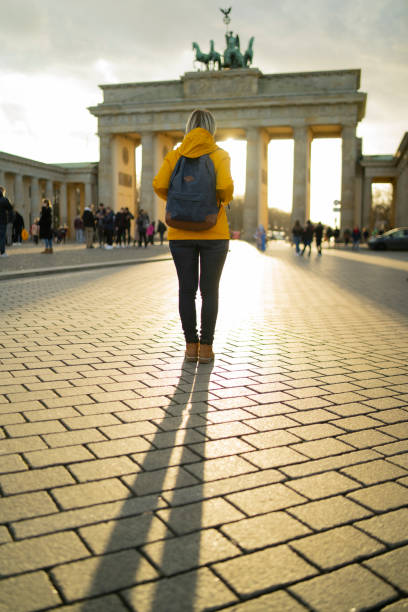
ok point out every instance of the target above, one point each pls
(222, 467)
(176, 423)
(28, 593)
(175, 438)
(87, 422)
(41, 552)
(264, 530)
(102, 408)
(73, 438)
(56, 456)
(35, 480)
(12, 463)
(128, 430)
(398, 606)
(265, 499)
(329, 463)
(391, 567)
(196, 516)
(72, 519)
(223, 416)
(269, 439)
(316, 431)
(77, 496)
(330, 512)
(124, 533)
(33, 429)
(270, 423)
(336, 547)
(103, 468)
(391, 527)
(222, 487)
(51, 413)
(274, 457)
(60, 402)
(401, 460)
(309, 417)
(190, 591)
(381, 497)
(349, 588)
(255, 572)
(375, 472)
(143, 414)
(366, 438)
(26, 505)
(190, 551)
(124, 446)
(225, 430)
(148, 402)
(279, 600)
(398, 430)
(392, 415)
(325, 447)
(232, 402)
(10, 446)
(144, 483)
(11, 418)
(100, 575)
(221, 448)
(345, 398)
(352, 409)
(392, 449)
(355, 423)
(156, 459)
(309, 403)
(323, 485)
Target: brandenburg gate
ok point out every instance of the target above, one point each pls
(247, 105)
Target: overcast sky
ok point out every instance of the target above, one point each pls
(55, 53)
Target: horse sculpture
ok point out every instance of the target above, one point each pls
(249, 53)
(204, 58)
(215, 57)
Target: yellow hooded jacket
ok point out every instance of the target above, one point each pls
(196, 143)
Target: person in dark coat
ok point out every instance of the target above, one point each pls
(318, 232)
(88, 220)
(143, 223)
(297, 232)
(109, 226)
(307, 237)
(46, 226)
(161, 228)
(5, 214)
(18, 226)
(128, 219)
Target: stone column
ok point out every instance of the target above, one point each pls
(35, 197)
(18, 192)
(147, 197)
(301, 174)
(105, 170)
(63, 204)
(401, 198)
(348, 175)
(2, 178)
(256, 189)
(367, 202)
(88, 194)
(49, 191)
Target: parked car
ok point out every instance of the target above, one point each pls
(395, 240)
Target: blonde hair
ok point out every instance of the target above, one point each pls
(201, 118)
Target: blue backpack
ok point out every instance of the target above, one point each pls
(192, 199)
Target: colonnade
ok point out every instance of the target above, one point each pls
(25, 190)
(155, 145)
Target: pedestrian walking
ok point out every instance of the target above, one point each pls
(46, 226)
(79, 229)
(297, 232)
(142, 225)
(336, 235)
(346, 237)
(365, 234)
(120, 223)
(150, 233)
(128, 220)
(88, 221)
(161, 228)
(199, 254)
(35, 230)
(18, 226)
(356, 237)
(109, 226)
(5, 214)
(260, 237)
(318, 233)
(99, 217)
(307, 237)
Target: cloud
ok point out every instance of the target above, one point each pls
(77, 45)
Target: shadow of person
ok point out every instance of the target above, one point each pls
(151, 552)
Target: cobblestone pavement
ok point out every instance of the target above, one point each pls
(274, 479)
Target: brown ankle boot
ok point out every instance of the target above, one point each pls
(191, 353)
(206, 353)
(50, 250)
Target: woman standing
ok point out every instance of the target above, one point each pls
(45, 224)
(199, 256)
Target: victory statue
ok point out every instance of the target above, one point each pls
(233, 57)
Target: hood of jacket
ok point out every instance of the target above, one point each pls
(196, 143)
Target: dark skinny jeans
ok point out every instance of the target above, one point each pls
(199, 263)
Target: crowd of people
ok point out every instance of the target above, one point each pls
(303, 236)
(110, 229)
